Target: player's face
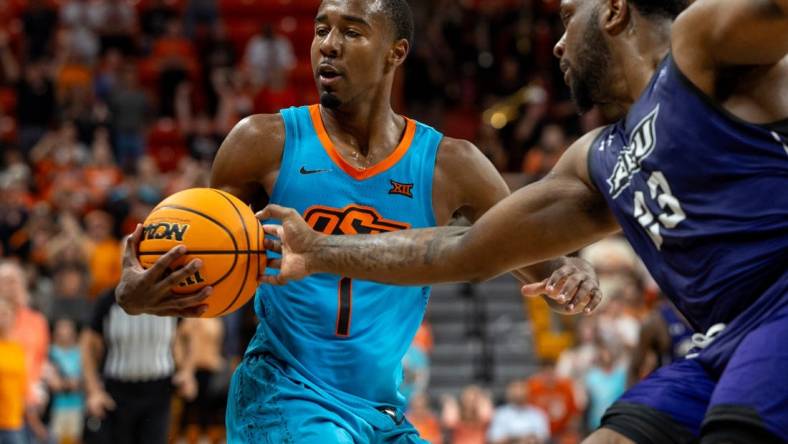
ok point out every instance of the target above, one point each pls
(583, 52)
(349, 50)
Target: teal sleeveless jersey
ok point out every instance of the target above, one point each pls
(347, 337)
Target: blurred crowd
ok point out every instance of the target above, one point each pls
(107, 106)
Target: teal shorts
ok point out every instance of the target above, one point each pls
(266, 406)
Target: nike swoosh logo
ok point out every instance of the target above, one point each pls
(306, 171)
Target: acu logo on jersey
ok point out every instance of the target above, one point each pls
(353, 219)
(641, 144)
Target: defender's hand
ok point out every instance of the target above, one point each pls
(571, 289)
(150, 291)
(294, 241)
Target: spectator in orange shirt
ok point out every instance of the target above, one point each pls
(30, 330)
(555, 395)
(424, 419)
(469, 420)
(12, 380)
(103, 252)
(423, 338)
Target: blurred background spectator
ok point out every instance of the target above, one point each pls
(204, 415)
(130, 371)
(66, 410)
(518, 422)
(13, 380)
(107, 106)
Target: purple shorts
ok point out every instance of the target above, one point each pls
(748, 388)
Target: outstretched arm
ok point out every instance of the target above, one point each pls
(466, 182)
(557, 215)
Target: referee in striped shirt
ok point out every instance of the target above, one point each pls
(130, 372)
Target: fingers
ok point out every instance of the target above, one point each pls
(130, 250)
(568, 291)
(583, 294)
(535, 289)
(164, 262)
(555, 279)
(273, 211)
(273, 279)
(270, 244)
(180, 275)
(185, 302)
(271, 263)
(596, 299)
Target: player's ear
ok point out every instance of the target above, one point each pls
(615, 16)
(398, 53)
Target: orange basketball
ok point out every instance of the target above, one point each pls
(220, 230)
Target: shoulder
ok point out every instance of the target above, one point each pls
(453, 151)
(255, 142)
(462, 160)
(688, 41)
(465, 180)
(259, 129)
(575, 160)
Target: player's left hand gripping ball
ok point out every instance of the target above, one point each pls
(199, 254)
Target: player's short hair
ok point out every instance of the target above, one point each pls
(401, 16)
(660, 8)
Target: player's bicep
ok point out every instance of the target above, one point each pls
(251, 151)
(466, 180)
(718, 33)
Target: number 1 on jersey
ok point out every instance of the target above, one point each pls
(345, 305)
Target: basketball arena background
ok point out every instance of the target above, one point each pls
(108, 106)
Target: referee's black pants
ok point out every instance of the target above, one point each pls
(141, 415)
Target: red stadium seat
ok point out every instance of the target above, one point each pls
(8, 100)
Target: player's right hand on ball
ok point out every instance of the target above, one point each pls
(293, 239)
(150, 291)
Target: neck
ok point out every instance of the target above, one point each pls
(368, 126)
(644, 44)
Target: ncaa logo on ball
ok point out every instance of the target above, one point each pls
(164, 230)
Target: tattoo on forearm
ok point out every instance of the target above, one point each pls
(387, 252)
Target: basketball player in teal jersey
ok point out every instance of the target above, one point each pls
(694, 171)
(324, 366)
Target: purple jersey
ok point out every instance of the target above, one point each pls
(702, 196)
